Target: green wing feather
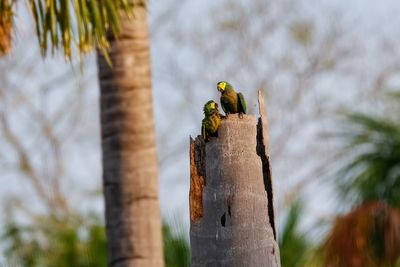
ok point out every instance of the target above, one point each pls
(242, 102)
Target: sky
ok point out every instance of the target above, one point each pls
(187, 62)
(368, 23)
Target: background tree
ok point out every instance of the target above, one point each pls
(369, 181)
(372, 170)
(42, 169)
(133, 219)
(130, 163)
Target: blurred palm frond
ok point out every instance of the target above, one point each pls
(293, 245)
(373, 172)
(67, 23)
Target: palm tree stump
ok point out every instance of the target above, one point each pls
(231, 197)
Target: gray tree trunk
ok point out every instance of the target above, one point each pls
(231, 198)
(130, 170)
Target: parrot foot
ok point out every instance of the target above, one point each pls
(241, 115)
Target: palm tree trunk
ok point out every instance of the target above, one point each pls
(231, 204)
(130, 183)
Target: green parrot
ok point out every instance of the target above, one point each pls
(231, 101)
(212, 120)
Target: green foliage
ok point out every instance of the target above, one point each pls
(86, 20)
(176, 248)
(293, 245)
(74, 241)
(373, 173)
(64, 23)
(52, 241)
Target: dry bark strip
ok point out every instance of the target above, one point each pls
(231, 197)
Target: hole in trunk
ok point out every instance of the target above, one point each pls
(223, 220)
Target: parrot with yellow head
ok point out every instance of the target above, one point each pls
(212, 120)
(231, 101)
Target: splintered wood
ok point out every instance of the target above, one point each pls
(197, 180)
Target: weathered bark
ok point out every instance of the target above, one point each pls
(133, 219)
(6, 26)
(231, 204)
